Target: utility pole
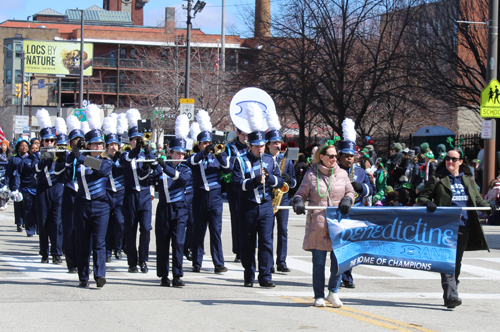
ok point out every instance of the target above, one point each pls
(223, 38)
(198, 7)
(80, 95)
(491, 73)
(22, 83)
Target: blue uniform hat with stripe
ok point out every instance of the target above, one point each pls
(204, 136)
(62, 139)
(94, 136)
(76, 133)
(112, 138)
(178, 144)
(257, 138)
(274, 136)
(347, 147)
(47, 133)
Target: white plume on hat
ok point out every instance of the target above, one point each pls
(133, 115)
(43, 118)
(273, 121)
(113, 115)
(94, 116)
(61, 126)
(255, 117)
(122, 124)
(72, 123)
(109, 125)
(85, 127)
(194, 130)
(182, 126)
(348, 130)
(203, 120)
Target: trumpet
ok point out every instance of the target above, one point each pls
(218, 149)
(127, 147)
(148, 136)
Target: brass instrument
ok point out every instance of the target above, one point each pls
(278, 193)
(351, 179)
(148, 136)
(264, 198)
(218, 149)
(127, 147)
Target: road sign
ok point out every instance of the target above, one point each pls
(26, 130)
(487, 129)
(490, 100)
(41, 84)
(81, 114)
(20, 122)
(187, 107)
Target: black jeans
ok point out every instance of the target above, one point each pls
(450, 282)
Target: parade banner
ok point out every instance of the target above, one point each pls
(404, 237)
(61, 58)
(3, 169)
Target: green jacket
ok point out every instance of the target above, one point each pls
(438, 189)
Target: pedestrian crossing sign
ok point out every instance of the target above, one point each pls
(490, 100)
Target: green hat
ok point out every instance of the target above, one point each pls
(407, 185)
(442, 155)
(396, 147)
(429, 155)
(388, 189)
(424, 146)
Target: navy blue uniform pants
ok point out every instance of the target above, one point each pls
(170, 227)
(29, 212)
(188, 243)
(207, 210)
(91, 223)
(18, 213)
(48, 206)
(232, 199)
(68, 225)
(137, 212)
(116, 225)
(282, 235)
(256, 226)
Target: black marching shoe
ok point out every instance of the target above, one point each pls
(45, 259)
(144, 267)
(283, 268)
(248, 284)
(237, 259)
(165, 282)
(453, 302)
(19, 228)
(196, 269)
(267, 284)
(101, 281)
(108, 259)
(348, 284)
(83, 284)
(272, 269)
(72, 270)
(177, 282)
(56, 259)
(220, 269)
(188, 254)
(132, 269)
(118, 254)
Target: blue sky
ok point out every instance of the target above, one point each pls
(209, 20)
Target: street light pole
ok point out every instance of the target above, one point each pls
(80, 102)
(188, 49)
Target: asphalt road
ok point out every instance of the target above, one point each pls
(44, 297)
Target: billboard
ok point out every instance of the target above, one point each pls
(61, 58)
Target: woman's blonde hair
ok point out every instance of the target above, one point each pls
(321, 150)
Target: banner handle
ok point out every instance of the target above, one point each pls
(324, 207)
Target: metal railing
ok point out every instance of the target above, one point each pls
(127, 63)
(96, 87)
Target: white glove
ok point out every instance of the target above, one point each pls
(4, 192)
(16, 196)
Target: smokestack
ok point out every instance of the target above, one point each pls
(169, 19)
(262, 18)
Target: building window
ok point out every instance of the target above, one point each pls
(9, 50)
(19, 50)
(18, 77)
(133, 53)
(8, 76)
(123, 53)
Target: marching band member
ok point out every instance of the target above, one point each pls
(91, 202)
(273, 138)
(50, 176)
(254, 175)
(27, 188)
(13, 168)
(207, 199)
(359, 180)
(235, 149)
(171, 212)
(137, 199)
(115, 188)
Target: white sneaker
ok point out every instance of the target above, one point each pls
(333, 298)
(319, 302)
(2, 208)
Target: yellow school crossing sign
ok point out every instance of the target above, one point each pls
(490, 100)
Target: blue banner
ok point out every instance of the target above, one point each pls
(3, 169)
(404, 237)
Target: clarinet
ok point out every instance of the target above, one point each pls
(264, 198)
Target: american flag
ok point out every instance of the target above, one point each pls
(2, 135)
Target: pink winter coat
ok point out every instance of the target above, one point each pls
(317, 235)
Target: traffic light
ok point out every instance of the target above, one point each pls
(18, 90)
(27, 88)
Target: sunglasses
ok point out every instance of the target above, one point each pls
(47, 140)
(454, 159)
(332, 156)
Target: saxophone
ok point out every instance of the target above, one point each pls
(278, 193)
(351, 178)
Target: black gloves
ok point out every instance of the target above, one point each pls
(345, 205)
(117, 156)
(298, 205)
(139, 142)
(257, 180)
(146, 166)
(81, 144)
(208, 148)
(431, 207)
(494, 208)
(76, 152)
(146, 149)
(287, 178)
(161, 162)
(61, 157)
(358, 187)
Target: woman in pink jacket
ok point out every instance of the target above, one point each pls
(325, 184)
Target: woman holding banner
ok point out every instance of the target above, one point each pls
(325, 184)
(452, 185)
